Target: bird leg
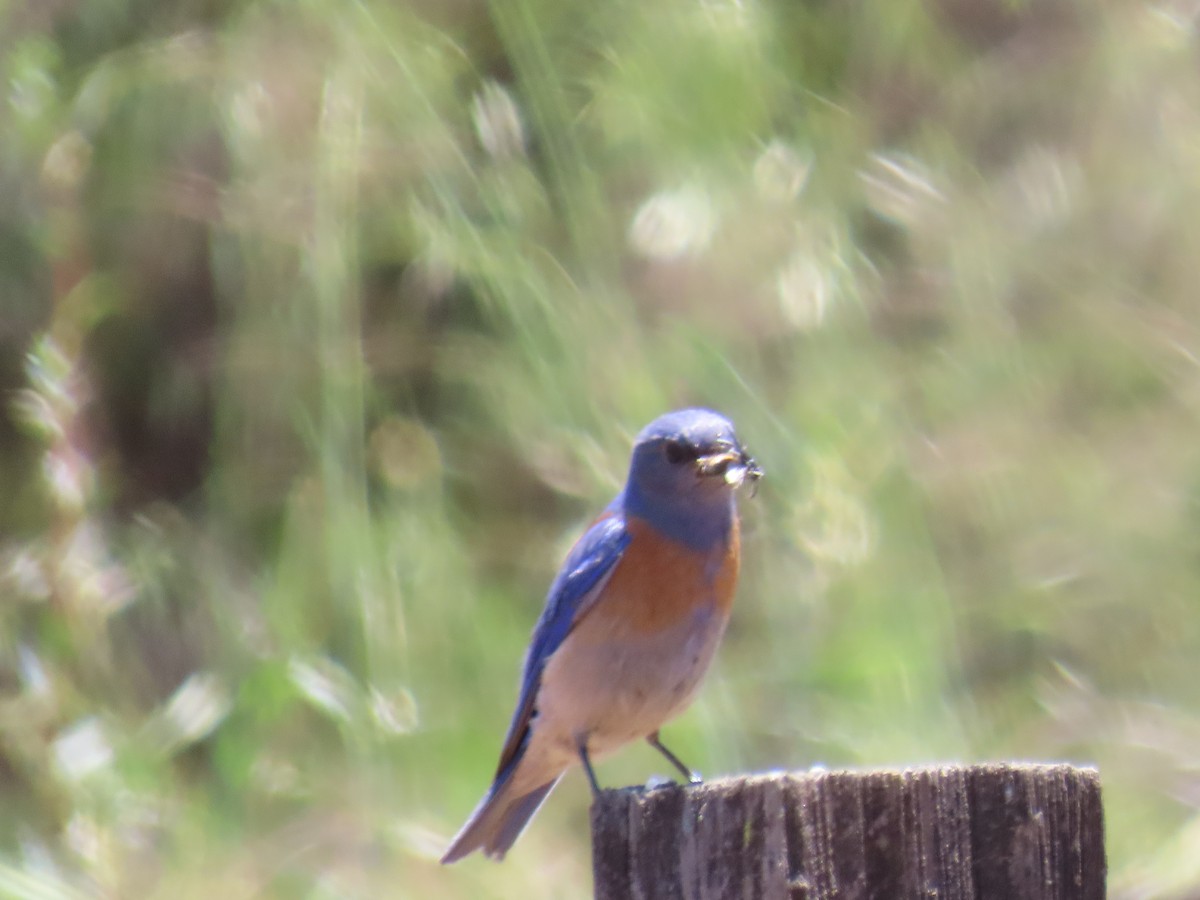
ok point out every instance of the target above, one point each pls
(581, 746)
(692, 777)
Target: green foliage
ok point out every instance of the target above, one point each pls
(325, 327)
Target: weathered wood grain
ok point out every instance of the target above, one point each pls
(988, 832)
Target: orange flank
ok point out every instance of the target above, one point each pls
(659, 582)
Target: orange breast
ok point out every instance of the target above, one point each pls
(660, 582)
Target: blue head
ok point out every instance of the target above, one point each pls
(685, 467)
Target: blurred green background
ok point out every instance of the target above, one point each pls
(324, 327)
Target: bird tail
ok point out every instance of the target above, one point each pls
(497, 822)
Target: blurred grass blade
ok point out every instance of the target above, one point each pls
(21, 884)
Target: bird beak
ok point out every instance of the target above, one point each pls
(735, 466)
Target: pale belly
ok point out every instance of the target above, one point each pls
(613, 691)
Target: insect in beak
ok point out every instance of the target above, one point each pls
(735, 466)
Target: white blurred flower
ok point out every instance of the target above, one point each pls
(69, 477)
(498, 122)
(780, 173)
(82, 750)
(196, 708)
(900, 188)
(327, 686)
(33, 674)
(394, 713)
(673, 223)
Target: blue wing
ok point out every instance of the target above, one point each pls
(586, 568)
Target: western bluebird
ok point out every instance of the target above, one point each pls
(630, 625)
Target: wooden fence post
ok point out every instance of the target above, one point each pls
(987, 832)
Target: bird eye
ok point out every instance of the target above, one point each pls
(678, 452)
